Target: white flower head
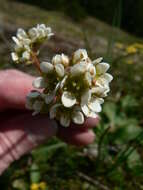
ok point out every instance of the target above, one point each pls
(61, 59)
(80, 55)
(26, 41)
(69, 89)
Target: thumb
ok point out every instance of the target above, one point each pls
(20, 135)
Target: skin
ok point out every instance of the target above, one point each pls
(19, 131)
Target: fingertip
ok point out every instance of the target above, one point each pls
(91, 122)
(76, 136)
(84, 138)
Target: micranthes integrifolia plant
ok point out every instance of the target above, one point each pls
(69, 89)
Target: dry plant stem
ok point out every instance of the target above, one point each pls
(92, 181)
(36, 61)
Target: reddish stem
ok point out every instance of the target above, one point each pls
(36, 61)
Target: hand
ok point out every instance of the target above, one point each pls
(19, 131)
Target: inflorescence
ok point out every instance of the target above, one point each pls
(69, 89)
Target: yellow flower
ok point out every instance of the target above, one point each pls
(130, 62)
(138, 45)
(119, 45)
(131, 49)
(42, 186)
(38, 186)
(34, 186)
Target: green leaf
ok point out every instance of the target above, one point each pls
(35, 175)
(110, 110)
(134, 159)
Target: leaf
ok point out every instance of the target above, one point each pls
(110, 110)
(129, 101)
(35, 175)
(134, 159)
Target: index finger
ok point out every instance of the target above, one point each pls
(14, 86)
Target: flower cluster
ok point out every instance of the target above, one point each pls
(70, 89)
(28, 42)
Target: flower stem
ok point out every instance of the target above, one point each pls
(36, 61)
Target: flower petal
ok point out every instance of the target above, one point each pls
(86, 97)
(26, 55)
(39, 83)
(78, 118)
(21, 34)
(98, 60)
(101, 68)
(14, 57)
(108, 77)
(60, 70)
(95, 105)
(80, 55)
(17, 41)
(38, 104)
(57, 59)
(46, 67)
(64, 120)
(53, 110)
(88, 78)
(92, 114)
(78, 69)
(68, 100)
(85, 110)
(34, 94)
(49, 98)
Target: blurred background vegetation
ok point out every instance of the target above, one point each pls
(131, 11)
(114, 30)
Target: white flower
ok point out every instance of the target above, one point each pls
(68, 100)
(77, 117)
(104, 80)
(86, 97)
(102, 67)
(44, 31)
(40, 83)
(37, 106)
(30, 99)
(46, 67)
(65, 120)
(91, 69)
(49, 97)
(61, 59)
(88, 78)
(53, 110)
(80, 55)
(14, 56)
(100, 91)
(96, 61)
(25, 41)
(78, 69)
(21, 34)
(40, 32)
(33, 33)
(92, 107)
(26, 56)
(59, 68)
